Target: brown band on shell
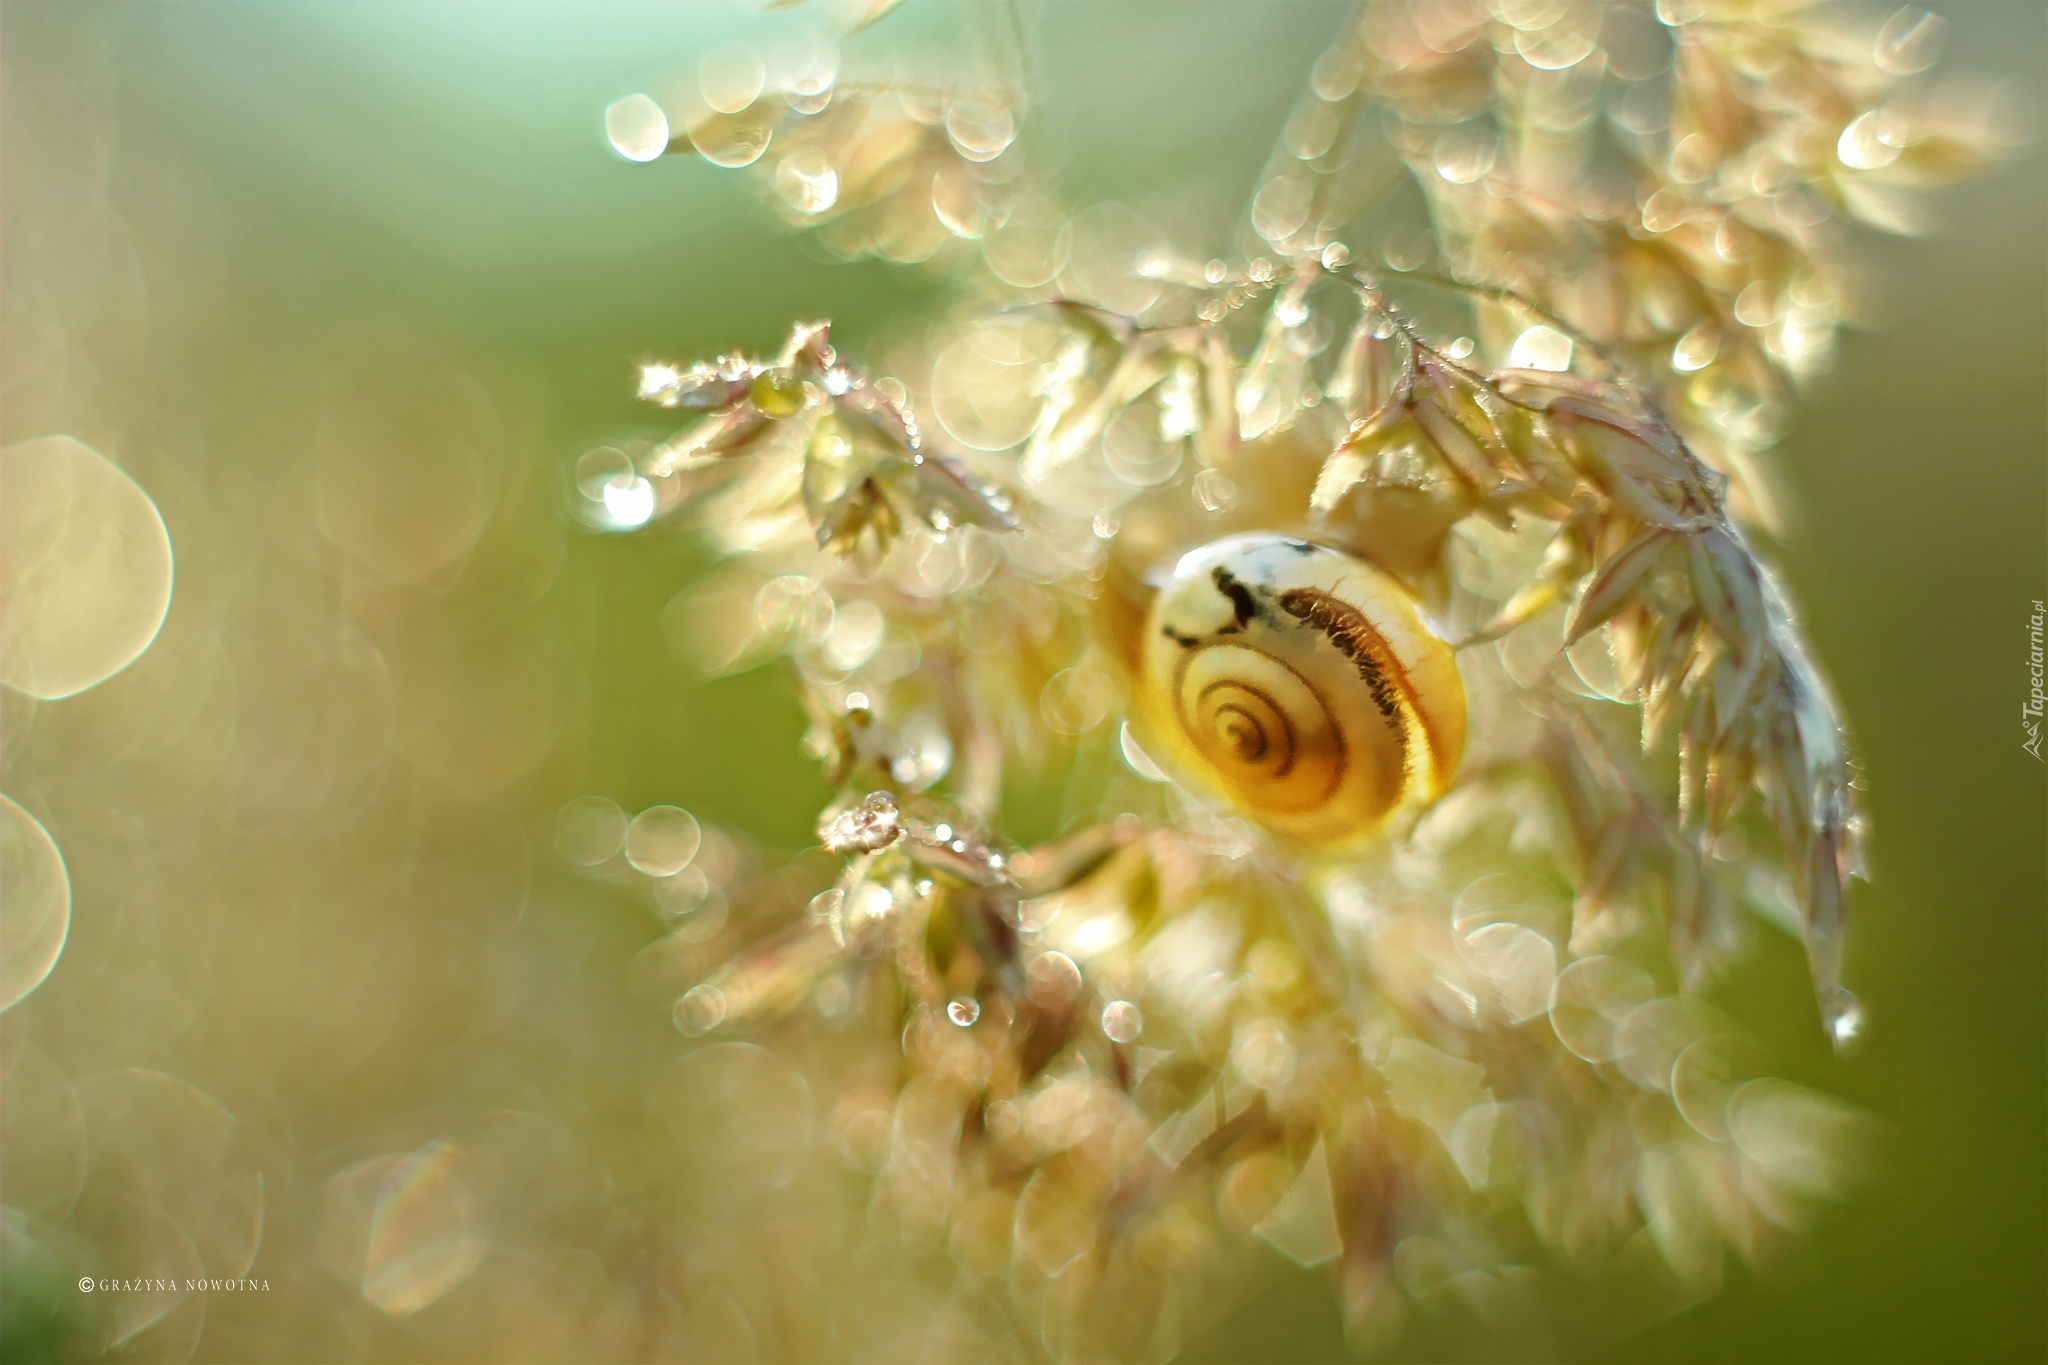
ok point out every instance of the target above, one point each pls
(1355, 637)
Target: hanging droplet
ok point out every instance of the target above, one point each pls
(1541, 348)
(637, 128)
(1697, 348)
(1844, 1017)
(964, 1011)
(807, 182)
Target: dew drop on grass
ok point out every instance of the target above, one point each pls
(637, 128)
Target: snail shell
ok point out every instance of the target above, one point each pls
(1302, 685)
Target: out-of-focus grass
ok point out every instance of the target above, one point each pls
(338, 915)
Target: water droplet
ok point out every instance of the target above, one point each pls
(662, 840)
(629, 502)
(659, 383)
(926, 754)
(964, 1011)
(1869, 142)
(1845, 1019)
(637, 128)
(1121, 1021)
(807, 182)
(1697, 348)
(1541, 348)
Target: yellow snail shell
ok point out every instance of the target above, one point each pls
(1302, 685)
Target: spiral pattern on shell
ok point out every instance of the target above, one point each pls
(1302, 685)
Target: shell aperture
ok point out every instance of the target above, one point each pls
(1301, 684)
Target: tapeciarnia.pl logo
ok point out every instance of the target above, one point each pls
(2030, 713)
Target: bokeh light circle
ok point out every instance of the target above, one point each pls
(85, 568)
(35, 903)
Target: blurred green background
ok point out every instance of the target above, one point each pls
(233, 229)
